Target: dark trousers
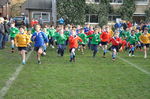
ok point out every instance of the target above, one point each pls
(61, 49)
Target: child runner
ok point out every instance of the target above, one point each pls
(40, 39)
(132, 39)
(22, 41)
(13, 32)
(61, 42)
(90, 32)
(138, 34)
(95, 41)
(73, 44)
(83, 36)
(51, 36)
(104, 40)
(46, 31)
(67, 34)
(145, 39)
(116, 41)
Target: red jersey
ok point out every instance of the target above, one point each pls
(90, 33)
(105, 36)
(129, 25)
(115, 41)
(33, 23)
(73, 41)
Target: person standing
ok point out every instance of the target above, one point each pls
(2, 31)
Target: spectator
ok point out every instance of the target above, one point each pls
(2, 31)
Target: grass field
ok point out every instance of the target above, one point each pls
(87, 78)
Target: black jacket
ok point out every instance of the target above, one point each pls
(6, 26)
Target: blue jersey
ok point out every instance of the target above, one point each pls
(39, 38)
(86, 29)
(61, 21)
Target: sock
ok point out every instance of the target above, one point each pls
(113, 56)
(12, 46)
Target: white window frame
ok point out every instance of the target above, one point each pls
(41, 15)
(114, 3)
(142, 3)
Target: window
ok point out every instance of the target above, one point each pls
(113, 17)
(45, 16)
(142, 2)
(116, 1)
(92, 18)
(92, 1)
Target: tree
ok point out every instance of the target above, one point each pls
(104, 10)
(73, 11)
(127, 10)
(147, 12)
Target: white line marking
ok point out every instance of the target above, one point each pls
(133, 65)
(13, 77)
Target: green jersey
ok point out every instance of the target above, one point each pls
(33, 31)
(13, 31)
(95, 38)
(46, 31)
(60, 38)
(83, 37)
(138, 35)
(124, 34)
(67, 34)
(132, 39)
(52, 32)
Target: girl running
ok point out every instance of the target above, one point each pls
(22, 41)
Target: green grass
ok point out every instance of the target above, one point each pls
(87, 78)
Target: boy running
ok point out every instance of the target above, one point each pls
(61, 42)
(132, 39)
(73, 44)
(13, 32)
(116, 41)
(95, 42)
(83, 36)
(104, 40)
(40, 39)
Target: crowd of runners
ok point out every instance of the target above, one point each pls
(123, 36)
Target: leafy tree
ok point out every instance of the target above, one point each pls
(73, 11)
(127, 9)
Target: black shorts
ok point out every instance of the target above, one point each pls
(115, 47)
(147, 45)
(12, 38)
(103, 43)
(22, 48)
(37, 48)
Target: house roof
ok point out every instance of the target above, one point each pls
(38, 4)
(3, 2)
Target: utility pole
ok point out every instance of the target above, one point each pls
(54, 11)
